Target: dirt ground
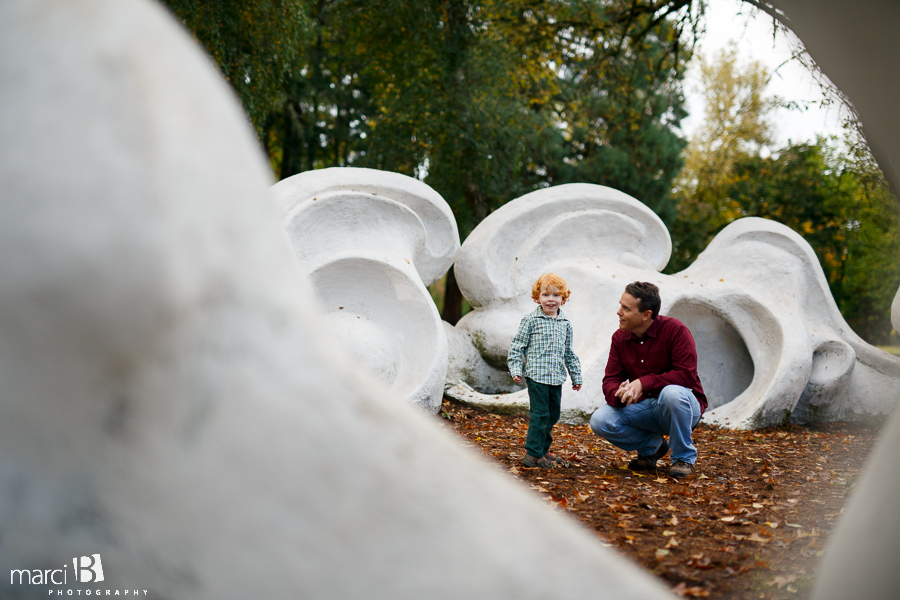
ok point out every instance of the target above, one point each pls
(751, 523)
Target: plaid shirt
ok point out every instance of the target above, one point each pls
(546, 343)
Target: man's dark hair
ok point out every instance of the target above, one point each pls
(647, 296)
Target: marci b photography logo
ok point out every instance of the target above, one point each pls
(87, 569)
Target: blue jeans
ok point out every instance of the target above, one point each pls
(641, 426)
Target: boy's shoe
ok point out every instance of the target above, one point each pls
(647, 463)
(556, 459)
(533, 461)
(681, 469)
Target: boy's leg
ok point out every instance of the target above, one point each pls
(632, 427)
(678, 411)
(539, 417)
(555, 397)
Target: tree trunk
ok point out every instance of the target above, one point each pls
(452, 300)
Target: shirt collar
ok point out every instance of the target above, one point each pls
(539, 312)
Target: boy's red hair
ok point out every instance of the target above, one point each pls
(550, 279)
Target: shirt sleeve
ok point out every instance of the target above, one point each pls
(517, 347)
(683, 358)
(615, 374)
(572, 362)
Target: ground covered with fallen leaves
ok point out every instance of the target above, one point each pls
(751, 523)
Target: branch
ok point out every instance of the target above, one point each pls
(771, 11)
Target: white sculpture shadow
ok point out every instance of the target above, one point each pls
(371, 242)
(170, 400)
(771, 342)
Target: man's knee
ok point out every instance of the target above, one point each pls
(676, 394)
(603, 422)
(675, 399)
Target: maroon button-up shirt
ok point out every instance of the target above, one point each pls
(665, 355)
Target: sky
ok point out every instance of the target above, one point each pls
(732, 20)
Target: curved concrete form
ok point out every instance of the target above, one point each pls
(170, 399)
(772, 345)
(895, 312)
(371, 242)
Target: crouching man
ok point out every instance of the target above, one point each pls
(651, 385)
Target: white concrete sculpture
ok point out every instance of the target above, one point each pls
(170, 401)
(771, 341)
(371, 242)
(895, 312)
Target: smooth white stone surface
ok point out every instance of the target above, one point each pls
(371, 242)
(170, 399)
(771, 341)
(895, 312)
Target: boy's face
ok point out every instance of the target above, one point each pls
(550, 300)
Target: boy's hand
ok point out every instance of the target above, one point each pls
(517, 379)
(576, 386)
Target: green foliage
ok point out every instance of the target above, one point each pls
(619, 105)
(836, 199)
(484, 99)
(487, 100)
(254, 43)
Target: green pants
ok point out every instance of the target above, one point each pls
(544, 413)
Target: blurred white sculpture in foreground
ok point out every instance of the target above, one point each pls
(771, 342)
(855, 44)
(169, 400)
(371, 241)
(895, 312)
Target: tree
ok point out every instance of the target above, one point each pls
(483, 99)
(736, 127)
(254, 44)
(620, 103)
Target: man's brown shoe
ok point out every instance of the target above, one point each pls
(681, 469)
(648, 463)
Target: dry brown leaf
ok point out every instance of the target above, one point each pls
(783, 580)
(695, 592)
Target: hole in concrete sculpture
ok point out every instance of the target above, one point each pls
(723, 361)
(385, 322)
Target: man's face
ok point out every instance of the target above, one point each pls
(630, 316)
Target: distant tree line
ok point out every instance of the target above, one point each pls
(487, 100)
(829, 191)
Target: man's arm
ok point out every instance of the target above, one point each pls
(517, 349)
(683, 357)
(615, 374)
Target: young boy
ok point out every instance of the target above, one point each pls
(545, 338)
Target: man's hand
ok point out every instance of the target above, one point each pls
(576, 386)
(517, 379)
(630, 391)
